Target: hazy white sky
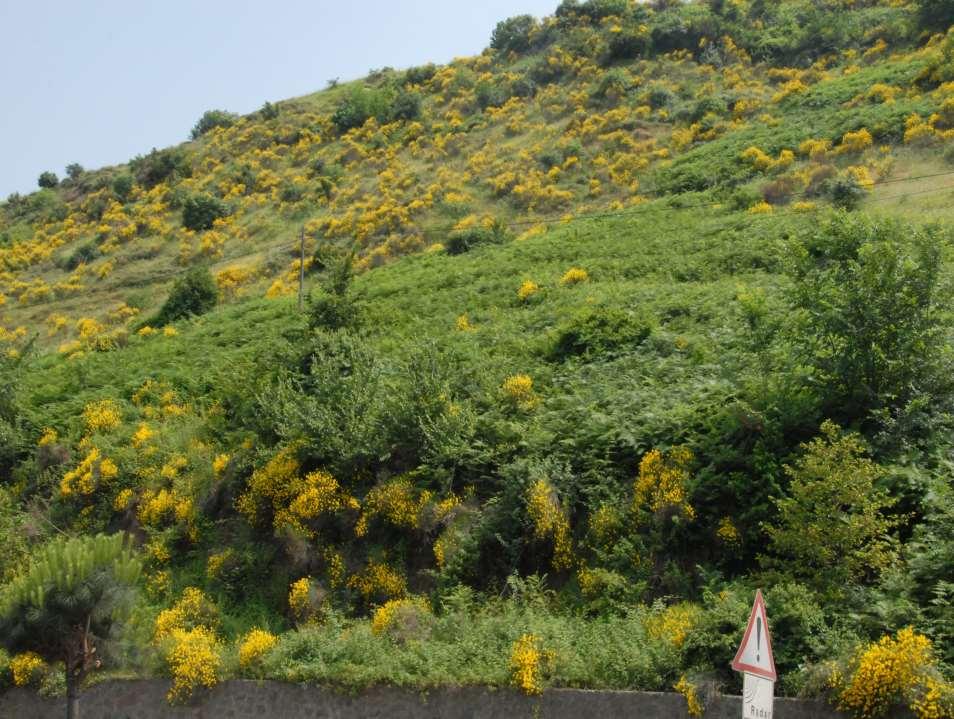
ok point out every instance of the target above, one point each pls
(97, 82)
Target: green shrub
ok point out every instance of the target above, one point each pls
(199, 212)
(358, 106)
(465, 240)
(599, 331)
(832, 530)
(82, 255)
(122, 186)
(194, 293)
(332, 306)
(513, 34)
(420, 74)
(211, 119)
(159, 166)
(269, 111)
(74, 171)
(868, 303)
(48, 180)
(405, 106)
(844, 192)
(627, 45)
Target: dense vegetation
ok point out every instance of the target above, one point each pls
(634, 312)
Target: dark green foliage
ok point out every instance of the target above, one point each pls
(194, 293)
(159, 166)
(269, 111)
(406, 106)
(48, 180)
(936, 14)
(867, 301)
(332, 306)
(844, 192)
(463, 241)
(420, 74)
(513, 34)
(598, 332)
(74, 171)
(122, 186)
(359, 105)
(82, 255)
(211, 119)
(627, 45)
(199, 212)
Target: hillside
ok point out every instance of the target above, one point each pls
(644, 307)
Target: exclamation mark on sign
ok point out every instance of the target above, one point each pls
(758, 639)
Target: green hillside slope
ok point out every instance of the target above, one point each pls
(606, 327)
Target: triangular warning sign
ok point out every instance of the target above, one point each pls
(755, 652)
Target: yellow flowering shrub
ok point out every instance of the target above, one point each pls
(86, 476)
(527, 289)
(101, 416)
(220, 463)
(694, 705)
(194, 660)
(142, 435)
(761, 208)
(123, 500)
(662, 480)
(48, 437)
(462, 324)
(574, 276)
(396, 502)
(27, 668)
(377, 580)
(550, 522)
(300, 599)
(895, 671)
(728, 532)
(393, 617)
(518, 390)
(528, 663)
(815, 149)
(673, 623)
(194, 609)
(855, 142)
(255, 645)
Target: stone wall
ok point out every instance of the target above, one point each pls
(146, 699)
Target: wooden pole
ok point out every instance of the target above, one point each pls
(301, 269)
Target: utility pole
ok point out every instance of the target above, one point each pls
(301, 268)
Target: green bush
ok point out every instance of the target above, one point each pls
(598, 332)
(122, 186)
(74, 171)
(269, 111)
(194, 293)
(513, 34)
(332, 306)
(420, 74)
(159, 166)
(211, 119)
(199, 212)
(844, 192)
(82, 255)
(48, 180)
(465, 240)
(358, 106)
(867, 302)
(405, 106)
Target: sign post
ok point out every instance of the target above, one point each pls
(757, 664)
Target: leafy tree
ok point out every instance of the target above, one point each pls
(194, 293)
(199, 212)
(832, 530)
(212, 119)
(867, 302)
(406, 106)
(513, 34)
(48, 180)
(66, 599)
(74, 170)
(12, 429)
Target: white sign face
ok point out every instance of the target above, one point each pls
(757, 697)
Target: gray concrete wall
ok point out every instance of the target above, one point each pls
(146, 699)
